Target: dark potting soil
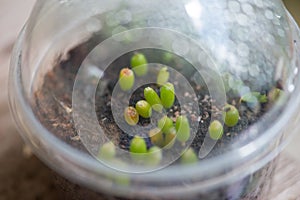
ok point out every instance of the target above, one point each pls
(53, 106)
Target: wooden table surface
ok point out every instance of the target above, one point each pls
(23, 176)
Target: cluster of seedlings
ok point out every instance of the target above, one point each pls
(168, 130)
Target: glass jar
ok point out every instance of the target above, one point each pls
(242, 52)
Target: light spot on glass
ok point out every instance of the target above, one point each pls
(234, 6)
(269, 14)
(194, 9)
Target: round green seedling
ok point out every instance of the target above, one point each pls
(167, 57)
(167, 95)
(126, 79)
(183, 129)
(163, 76)
(164, 124)
(153, 99)
(156, 137)
(144, 109)
(139, 64)
(215, 130)
(170, 138)
(189, 157)
(138, 149)
(154, 156)
(107, 151)
(131, 116)
(230, 115)
(138, 145)
(120, 178)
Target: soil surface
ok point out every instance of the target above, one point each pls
(54, 105)
(54, 109)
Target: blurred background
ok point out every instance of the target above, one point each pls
(23, 176)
